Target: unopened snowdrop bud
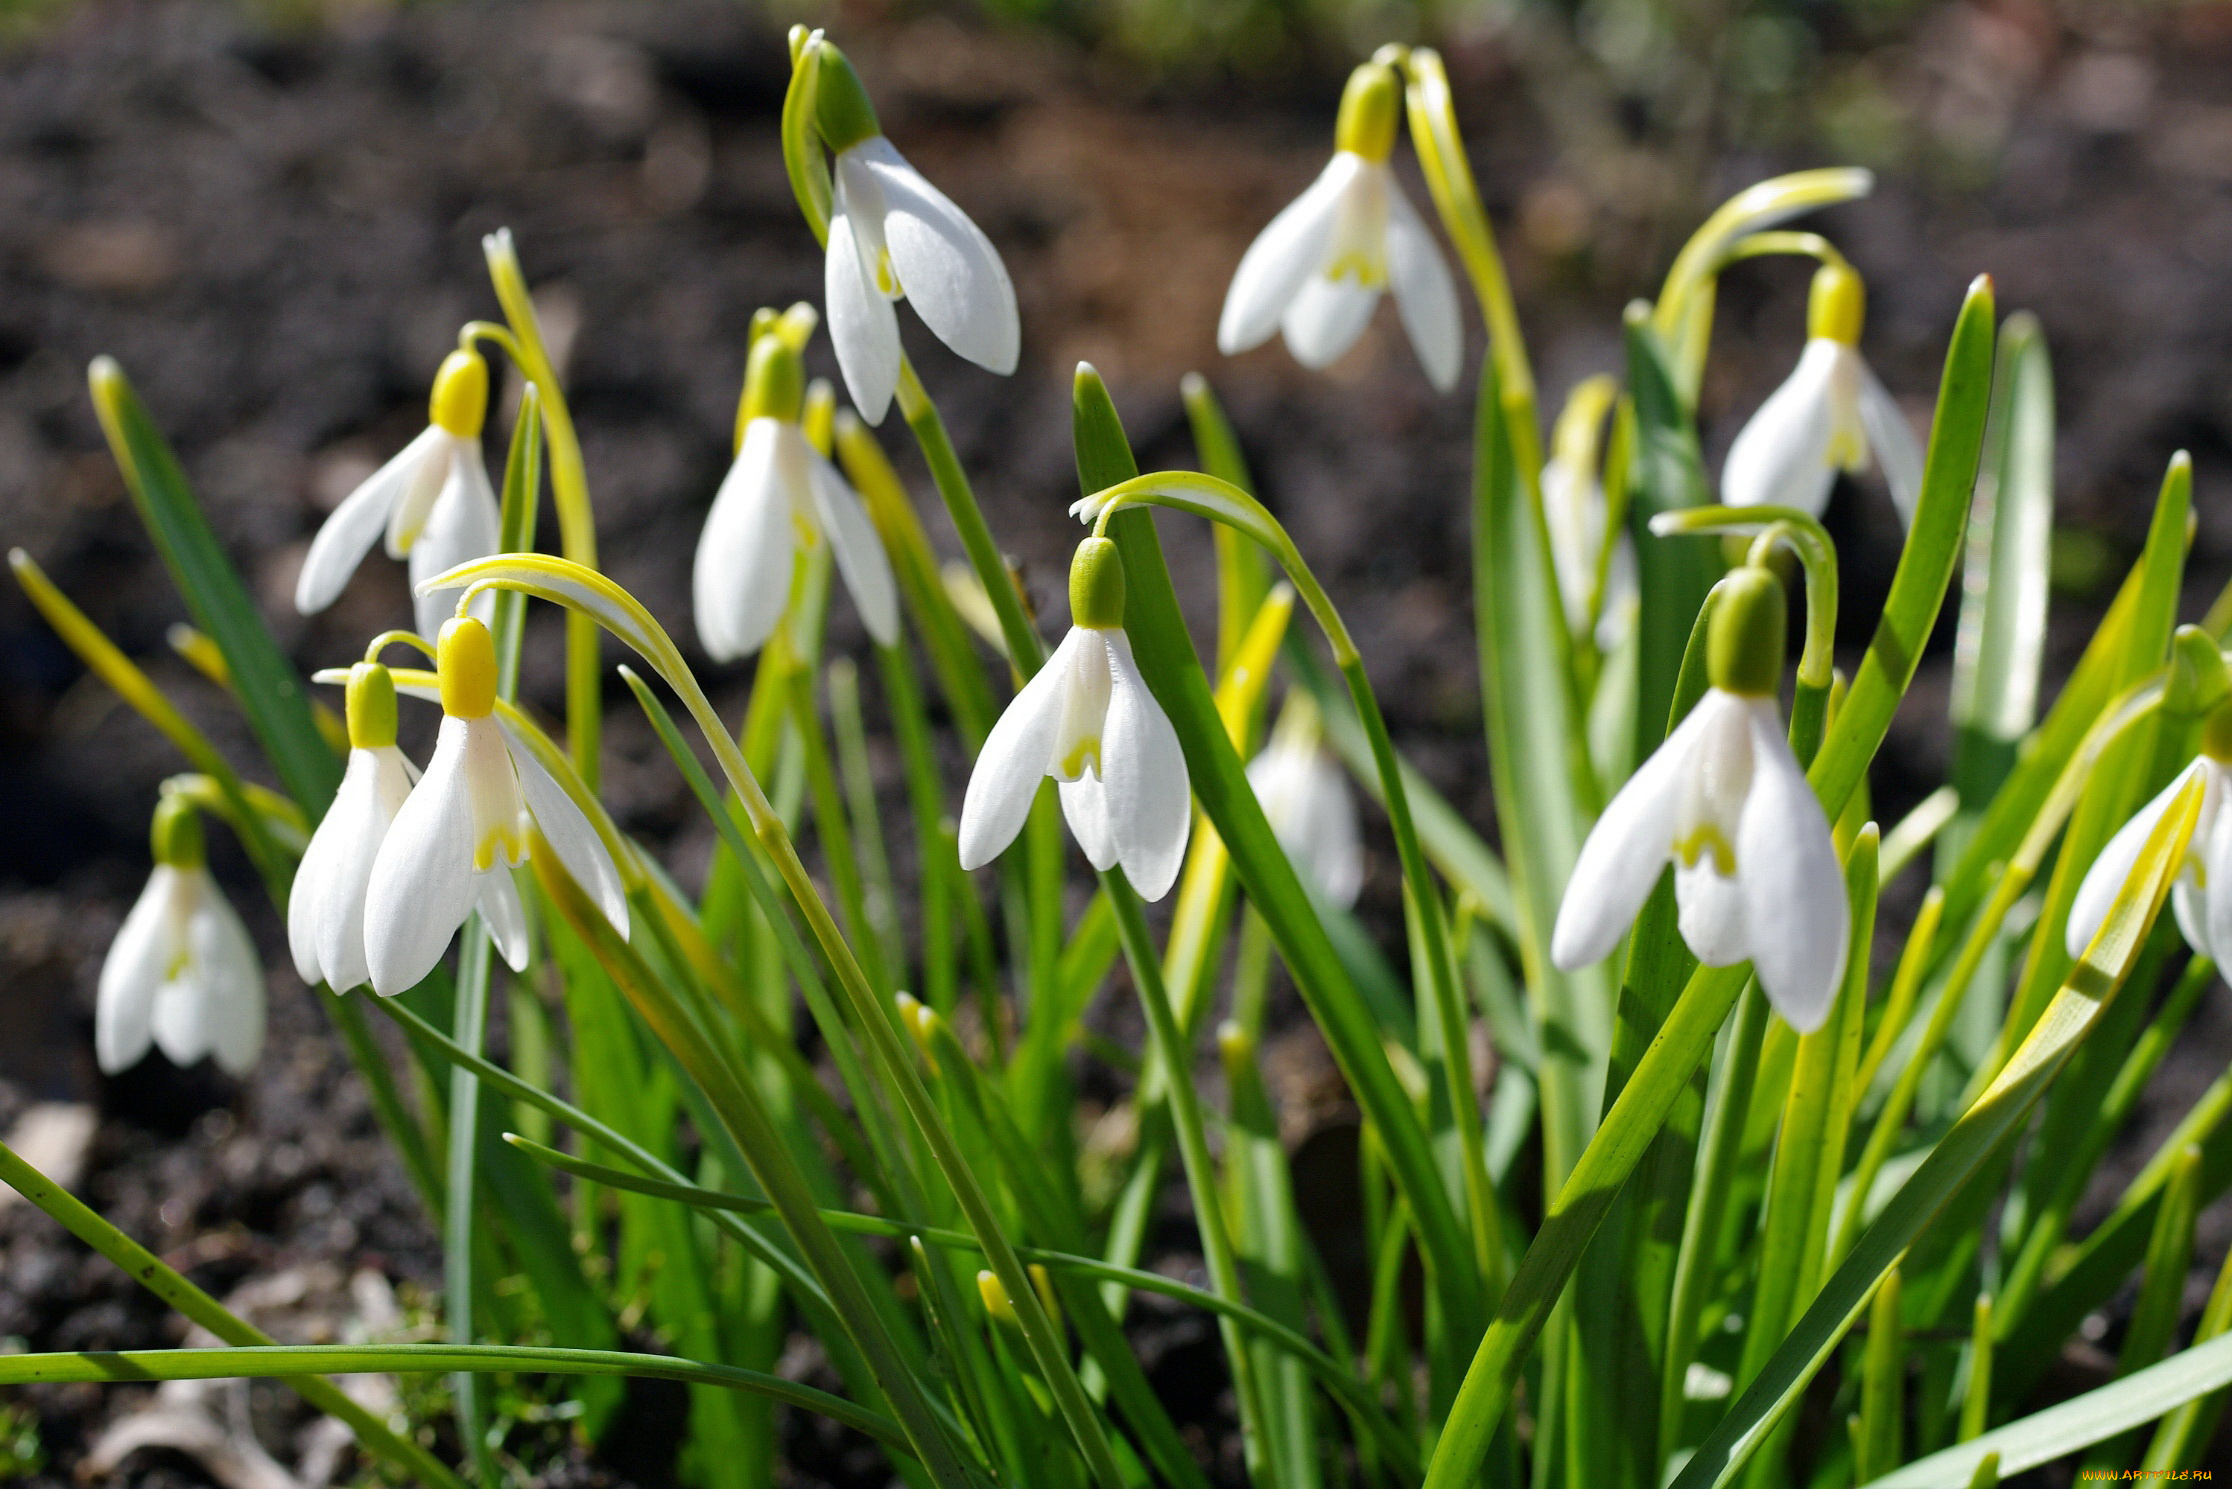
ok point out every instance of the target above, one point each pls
(893, 235)
(1306, 799)
(433, 501)
(325, 908)
(2201, 895)
(1088, 720)
(181, 973)
(1575, 512)
(1831, 414)
(1756, 875)
(780, 494)
(1317, 271)
(449, 849)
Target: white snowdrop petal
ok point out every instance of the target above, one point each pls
(180, 1021)
(1425, 294)
(1335, 844)
(863, 327)
(1624, 852)
(1781, 456)
(422, 879)
(1794, 891)
(1891, 440)
(138, 963)
(2104, 879)
(463, 524)
(2189, 907)
(569, 832)
(325, 909)
(2215, 845)
(948, 268)
(232, 985)
(506, 918)
(858, 549)
(1325, 318)
(740, 580)
(1085, 808)
(354, 526)
(1143, 769)
(422, 482)
(1710, 913)
(1288, 251)
(1014, 759)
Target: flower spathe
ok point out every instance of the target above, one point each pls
(1307, 801)
(432, 500)
(2201, 895)
(1723, 800)
(181, 974)
(779, 494)
(1317, 272)
(893, 235)
(325, 908)
(1830, 414)
(1088, 720)
(1576, 516)
(450, 847)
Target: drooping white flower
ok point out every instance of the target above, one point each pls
(181, 973)
(779, 494)
(1755, 869)
(432, 500)
(893, 235)
(1306, 799)
(1830, 414)
(2201, 895)
(325, 908)
(1318, 270)
(1575, 512)
(451, 847)
(1088, 720)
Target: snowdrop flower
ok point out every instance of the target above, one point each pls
(1755, 870)
(1087, 720)
(2201, 896)
(1306, 799)
(325, 909)
(893, 234)
(1574, 511)
(433, 500)
(182, 972)
(781, 494)
(450, 848)
(1829, 415)
(1317, 272)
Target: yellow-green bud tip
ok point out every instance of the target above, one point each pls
(996, 1299)
(460, 400)
(842, 111)
(1233, 1044)
(1838, 305)
(1371, 106)
(176, 833)
(1097, 586)
(919, 1019)
(1744, 649)
(774, 382)
(371, 706)
(465, 663)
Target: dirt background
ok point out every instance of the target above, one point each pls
(275, 227)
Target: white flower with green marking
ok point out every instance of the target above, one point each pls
(1830, 414)
(1756, 873)
(893, 236)
(780, 495)
(1317, 272)
(181, 973)
(451, 846)
(1088, 720)
(325, 908)
(432, 500)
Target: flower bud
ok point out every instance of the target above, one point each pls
(1838, 304)
(1745, 646)
(1097, 586)
(460, 399)
(774, 382)
(996, 1299)
(465, 664)
(919, 1019)
(176, 833)
(841, 108)
(370, 706)
(1371, 106)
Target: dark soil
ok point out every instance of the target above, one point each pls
(276, 230)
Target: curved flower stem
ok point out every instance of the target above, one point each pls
(586, 592)
(150, 1272)
(569, 490)
(1802, 245)
(1222, 502)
